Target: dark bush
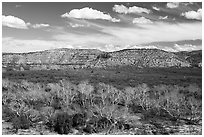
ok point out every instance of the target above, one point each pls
(21, 122)
(56, 102)
(7, 113)
(151, 113)
(91, 125)
(89, 129)
(104, 56)
(62, 123)
(78, 120)
(134, 108)
(122, 125)
(103, 124)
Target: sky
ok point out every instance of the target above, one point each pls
(107, 26)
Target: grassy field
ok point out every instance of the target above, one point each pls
(103, 101)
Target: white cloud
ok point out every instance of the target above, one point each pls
(14, 45)
(193, 14)
(115, 20)
(121, 36)
(73, 25)
(134, 9)
(110, 37)
(146, 47)
(155, 8)
(112, 47)
(141, 20)
(13, 22)
(17, 6)
(163, 18)
(120, 9)
(187, 47)
(88, 13)
(172, 5)
(40, 25)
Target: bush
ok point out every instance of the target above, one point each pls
(7, 113)
(98, 108)
(104, 56)
(103, 124)
(78, 120)
(62, 123)
(21, 122)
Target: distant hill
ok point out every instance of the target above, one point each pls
(142, 58)
(193, 57)
(93, 58)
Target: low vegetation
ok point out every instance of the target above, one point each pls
(119, 77)
(65, 107)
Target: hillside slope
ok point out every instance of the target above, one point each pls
(193, 57)
(92, 58)
(143, 58)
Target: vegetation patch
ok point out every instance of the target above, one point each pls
(85, 108)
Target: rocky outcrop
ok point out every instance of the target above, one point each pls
(91, 58)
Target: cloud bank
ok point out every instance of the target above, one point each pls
(13, 22)
(125, 10)
(193, 14)
(187, 47)
(172, 5)
(141, 20)
(18, 45)
(163, 18)
(40, 25)
(89, 13)
(155, 8)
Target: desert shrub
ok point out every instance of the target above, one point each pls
(103, 124)
(62, 123)
(21, 122)
(10, 86)
(47, 113)
(176, 102)
(78, 120)
(28, 85)
(37, 98)
(134, 108)
(56, 102)
(161, 89)
(85, 88)
(138, 96)
(7, 113)
(6, 84)
(34, 115)
(97, 108)
(8, 97)
(91, 124)
(63, 93)
(104, 56)
(129, 95)
(106, 100)
(194, 90)
(193, 109)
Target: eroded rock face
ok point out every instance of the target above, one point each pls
(92, 58)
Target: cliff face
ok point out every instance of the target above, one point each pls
(92, 58)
